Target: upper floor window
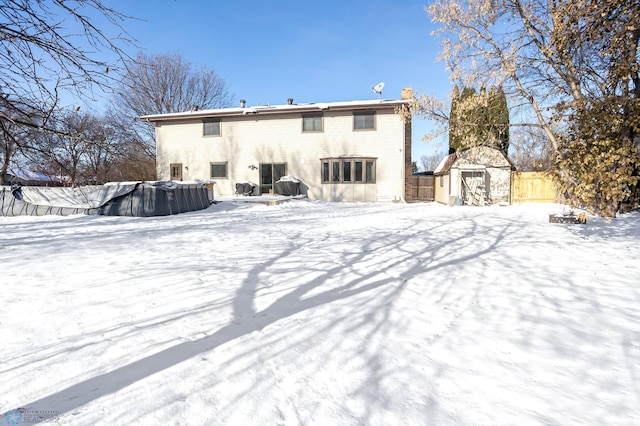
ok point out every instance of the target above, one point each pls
(312, 123)
(211, 128)
(364, 121)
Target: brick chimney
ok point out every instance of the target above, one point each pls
(407, 93)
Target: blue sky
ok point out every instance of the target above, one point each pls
(269, 50)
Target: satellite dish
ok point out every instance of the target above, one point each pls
(378, 89)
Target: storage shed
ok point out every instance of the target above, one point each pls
(476, 176)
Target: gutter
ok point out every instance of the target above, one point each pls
(274, 110)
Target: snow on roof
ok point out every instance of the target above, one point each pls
(445, 164)
(472, 167)
(29, 175)
(319, 106)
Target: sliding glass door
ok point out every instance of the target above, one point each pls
(270, 173)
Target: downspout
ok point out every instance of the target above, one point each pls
(407, 175)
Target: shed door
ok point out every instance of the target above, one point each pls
(473, 187)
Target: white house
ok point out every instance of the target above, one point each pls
(474, 176)
(338, 151)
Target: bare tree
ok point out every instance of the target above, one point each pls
(133, 157)
(87, 149)
(166, 83)
(573, 66)
(50, 48)
(430, 162)
(71, 149)
(11, 135)
(132, 165)
(531, 150)
(19, 127)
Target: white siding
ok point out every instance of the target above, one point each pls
(499, 187)
(442, 190)
(455, 189)
(251, 140)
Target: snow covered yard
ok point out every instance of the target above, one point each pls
(320, 313)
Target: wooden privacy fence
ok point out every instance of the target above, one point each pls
(423, 188)
(535, 187)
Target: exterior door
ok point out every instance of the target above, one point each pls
(473, 188)
(175, 171)
(270, 173)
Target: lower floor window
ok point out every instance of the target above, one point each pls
(175, 171)
(348, 170)
(219, 170)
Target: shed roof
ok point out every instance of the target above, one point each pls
(447, 162)
(445, 165)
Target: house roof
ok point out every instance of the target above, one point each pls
(28, 175)
(278, 109)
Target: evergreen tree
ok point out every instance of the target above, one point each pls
(574, 69)
(463, 120)
(478, 119)
(497, 119)
(453, 120)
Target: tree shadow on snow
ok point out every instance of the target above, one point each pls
(427, 254)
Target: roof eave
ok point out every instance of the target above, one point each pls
(273, 110)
